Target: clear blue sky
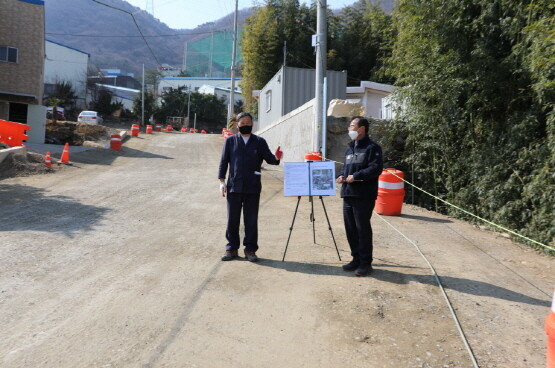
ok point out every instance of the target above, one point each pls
(191, 13)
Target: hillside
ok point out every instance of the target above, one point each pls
(112, 38)
(113, 41)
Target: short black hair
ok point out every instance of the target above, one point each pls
(362, 121)
(242, 115)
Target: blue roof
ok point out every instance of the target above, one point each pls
(36, 2)
(69, 47)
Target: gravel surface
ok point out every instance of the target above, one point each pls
(114, 262)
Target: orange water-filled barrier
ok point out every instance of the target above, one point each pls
(115, 142)
(550, 331)
(313, 156)
(149, 129)
(391, 192)
(135, 130)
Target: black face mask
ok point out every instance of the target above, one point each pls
(245, 129)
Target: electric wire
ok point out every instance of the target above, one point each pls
(449, 305)
(136, 24)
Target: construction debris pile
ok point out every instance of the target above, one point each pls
(23, 164)
(76, 134)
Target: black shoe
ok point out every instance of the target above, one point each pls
(251, 256)
(351, 266)
(230, 255)
(363, 270)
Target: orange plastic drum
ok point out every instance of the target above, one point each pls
(391, 193)
(313, 156)
(135, 130)
(149, 129)
(115, 142)
(550, 331)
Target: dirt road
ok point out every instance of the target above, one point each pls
(114, 262)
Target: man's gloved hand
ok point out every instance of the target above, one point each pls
(279, 153)
(223, 188)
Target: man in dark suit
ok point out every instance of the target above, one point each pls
(243, 153)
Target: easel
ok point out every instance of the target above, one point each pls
(313, 220)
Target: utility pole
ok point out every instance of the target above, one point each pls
(234, 52)
(189, 106)
(143, 98)
(284, 53)
(319, 40)
(185, 56)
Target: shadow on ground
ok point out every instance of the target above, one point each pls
(463, 285)
(99, 156)
(424, 218)
(25, 208)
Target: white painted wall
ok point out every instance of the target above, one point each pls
(293, 132)
(220, 93)
(371, 96)
(36, 118)
(64, 64)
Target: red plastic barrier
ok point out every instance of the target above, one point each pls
(13, 134)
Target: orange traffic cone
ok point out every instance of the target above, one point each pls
(550, 331)
(47, 160)
(65, 155)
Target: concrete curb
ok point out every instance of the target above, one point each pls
(5, 152)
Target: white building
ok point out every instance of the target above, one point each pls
(125, 96)
(66, 64)
(220, 92)
(373, 97)
(195, 83)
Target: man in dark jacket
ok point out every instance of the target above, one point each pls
(359, 179)
(243, 153)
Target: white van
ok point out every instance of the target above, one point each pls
(90, 117)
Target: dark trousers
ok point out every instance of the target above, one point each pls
(356, 215)
(248, 202)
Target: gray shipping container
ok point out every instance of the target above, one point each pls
(290, 88)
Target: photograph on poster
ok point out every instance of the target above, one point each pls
(309, 178)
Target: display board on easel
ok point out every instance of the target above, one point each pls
(309, 179)
(313, 178)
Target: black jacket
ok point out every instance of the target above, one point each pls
(244, 163)
(363, 160)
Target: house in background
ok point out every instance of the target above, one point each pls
(290, 88)
(22, 65)
(373, 97)
(69, 65)
(220, 92)
(168, 83)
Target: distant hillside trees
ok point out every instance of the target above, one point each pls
(360, 39)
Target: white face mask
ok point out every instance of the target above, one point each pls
(353, 134)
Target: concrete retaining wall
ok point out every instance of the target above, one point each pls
(293, 132)
(5, 152)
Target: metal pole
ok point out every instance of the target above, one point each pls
(231, 106)
(185, 56)
(143, 98)
(284, 53)
(321, 50)
(325, 121)
(189, 107)
(195, 126)
(211, 55)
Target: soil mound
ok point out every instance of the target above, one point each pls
(23, 164)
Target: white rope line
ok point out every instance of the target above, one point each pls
(455, 318)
